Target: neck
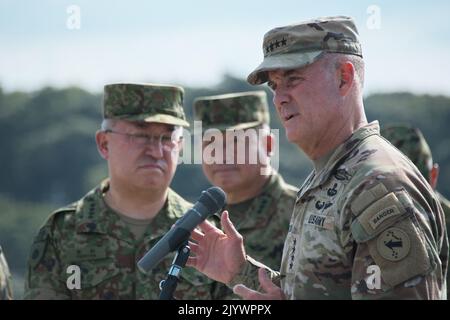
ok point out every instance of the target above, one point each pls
(331, 139)
(249, 191)
(136, 204)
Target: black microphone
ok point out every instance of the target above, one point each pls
(210, 202)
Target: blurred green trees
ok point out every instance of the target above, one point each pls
(48, 156)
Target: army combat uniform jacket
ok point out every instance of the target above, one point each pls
(365, 226)
(5, 279)
(91, 236)
(264, 223)
(445, 204)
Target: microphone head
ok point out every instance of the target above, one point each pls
(213, 199)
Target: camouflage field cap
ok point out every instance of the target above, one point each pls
(144, 102)
(298, 45)
(412, 143)
(236, 111)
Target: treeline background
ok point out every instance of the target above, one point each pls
(48, 156)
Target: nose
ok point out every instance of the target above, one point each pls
(154, 149)
(280, 98)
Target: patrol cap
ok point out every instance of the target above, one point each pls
(412, 143)
(144, 102)
(298, 45)
(236, 111)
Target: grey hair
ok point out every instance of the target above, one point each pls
(337, 59)
(108, 124)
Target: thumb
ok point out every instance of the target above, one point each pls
(243, 291)
(266, 283)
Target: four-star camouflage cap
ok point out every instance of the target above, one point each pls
(298, 45)
(412, 143)
(144, 102)
(232, 111)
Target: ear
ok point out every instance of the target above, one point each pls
(102, 144)
(434, 175)
(346, 76)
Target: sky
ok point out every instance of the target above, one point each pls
(89, 43)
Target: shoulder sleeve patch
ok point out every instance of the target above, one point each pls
(39, 246)
(380, 215)
(401, 252)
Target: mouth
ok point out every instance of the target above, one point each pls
(151, 166)
(289, 117)
(230, 169)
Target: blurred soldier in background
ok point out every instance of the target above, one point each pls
(106, 232)
(366, 224)
(258, 199)
(412, 143)
(5, 279)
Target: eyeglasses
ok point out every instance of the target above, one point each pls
(167, 141)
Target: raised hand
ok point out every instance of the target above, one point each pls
(218, 255)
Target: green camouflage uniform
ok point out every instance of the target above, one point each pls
(90, 235)
(364, 207)
(5, 279)
(264, 219)
(412, 143)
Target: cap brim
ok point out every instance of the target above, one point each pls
(241, 126)
(158, 118)
(168, 119)
(281, 61)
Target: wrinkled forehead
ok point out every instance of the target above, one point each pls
(280, 74)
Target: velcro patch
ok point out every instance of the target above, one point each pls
(367, 197)
(326, 222)
(382, 215)
(85, 253)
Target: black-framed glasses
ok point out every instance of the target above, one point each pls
(167, 141)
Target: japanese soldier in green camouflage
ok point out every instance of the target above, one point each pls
(258, 199)
(366, 224)
(5, 279)
(89, 249)
(412, 143)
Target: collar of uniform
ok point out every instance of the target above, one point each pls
(166, 217)
(319, 164)
(257, 211)
(92, 212)
(342, 150)
(94, 216)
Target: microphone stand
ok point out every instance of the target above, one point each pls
(169, 285)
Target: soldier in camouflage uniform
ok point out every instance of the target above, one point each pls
(366, 224)
(412, 143)
(107, 231)
(258, 199)
(5, 279)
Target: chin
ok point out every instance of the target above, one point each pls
(155, 182)
(290, 136)
(226, 184)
